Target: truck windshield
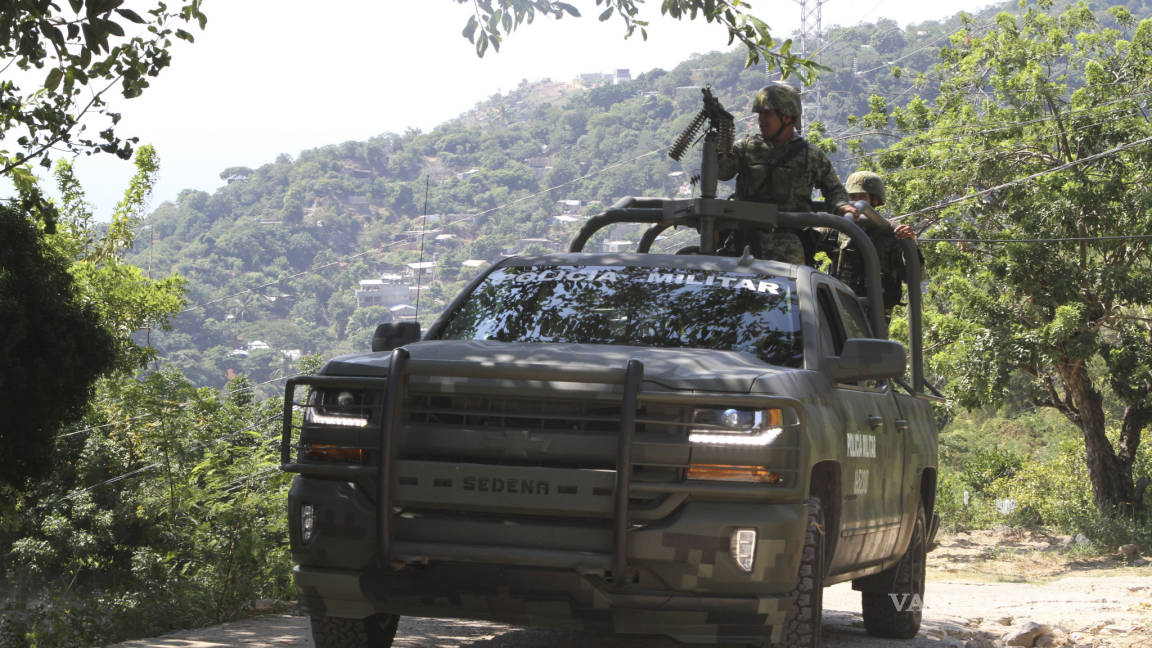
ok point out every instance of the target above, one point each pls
(658, 307)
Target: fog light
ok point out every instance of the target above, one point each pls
(744, 548)
(307, 522)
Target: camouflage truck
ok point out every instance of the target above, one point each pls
(688, 445)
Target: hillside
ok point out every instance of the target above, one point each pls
(276, 257)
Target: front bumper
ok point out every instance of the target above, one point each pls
(683, 581)
(541, 596)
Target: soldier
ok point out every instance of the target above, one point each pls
(869, 187)
(779, 166)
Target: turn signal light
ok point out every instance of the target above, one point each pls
(724, 472)
(327, 452)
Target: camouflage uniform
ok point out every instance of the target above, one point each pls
(783, 175)
(850, 268)
(850, 265)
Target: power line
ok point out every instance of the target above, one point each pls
(928, 46)
(143, 469)
(995, 129)
(186, 403)
(948, 203)
(1063, 239)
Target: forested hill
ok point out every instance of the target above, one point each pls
(275, 258)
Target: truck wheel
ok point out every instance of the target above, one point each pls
(802, 626)
(376, 631)
(896, 613)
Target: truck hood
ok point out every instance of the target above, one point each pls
(702, 370)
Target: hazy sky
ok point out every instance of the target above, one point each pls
(281, 76)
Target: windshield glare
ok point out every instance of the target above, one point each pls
(659, 307)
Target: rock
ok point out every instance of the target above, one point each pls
(1005, 620)
(1080, 539)
(1065, 541)
(980, 642)
(1130, 552)
(955, 632)
(1025, 634)
(1044, 641)
(1099, 625)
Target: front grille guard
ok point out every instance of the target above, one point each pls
(386, 417)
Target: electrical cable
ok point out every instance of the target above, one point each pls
(948, 203)
(138, 471)
(1063, 239)
(224, 394)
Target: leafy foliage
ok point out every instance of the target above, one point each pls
(165, 510)
(492, 22)
(125, 299)
(87, 48)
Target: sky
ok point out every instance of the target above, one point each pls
(281, 76)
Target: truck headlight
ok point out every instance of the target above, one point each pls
(736, 444)
(735, 426)
(343, 408)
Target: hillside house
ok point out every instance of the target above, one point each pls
(420, 269)
(389, 290)
(569, 206)
(403, 313)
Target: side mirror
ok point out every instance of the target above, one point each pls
(395, 334)
(868, 358)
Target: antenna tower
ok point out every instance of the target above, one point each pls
(811, 34)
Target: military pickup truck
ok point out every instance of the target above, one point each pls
(689, 445)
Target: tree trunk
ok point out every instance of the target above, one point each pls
(1131, 428)
(1110, 473)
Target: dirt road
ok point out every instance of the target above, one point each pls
(981, 586)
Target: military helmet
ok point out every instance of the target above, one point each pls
(866, 182)
(782, 98)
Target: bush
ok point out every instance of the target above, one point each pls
(1050, 490)
(166, 512)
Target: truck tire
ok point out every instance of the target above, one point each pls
(375, 631)
(896, 613)
(802, 626)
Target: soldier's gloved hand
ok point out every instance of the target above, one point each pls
(846, 209)
(903, 231)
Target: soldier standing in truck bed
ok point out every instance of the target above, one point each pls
(778, 166)
(869, 187)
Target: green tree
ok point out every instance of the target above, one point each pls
(70, 308)
(126, 300)
(1054, 102)
(52, 345)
